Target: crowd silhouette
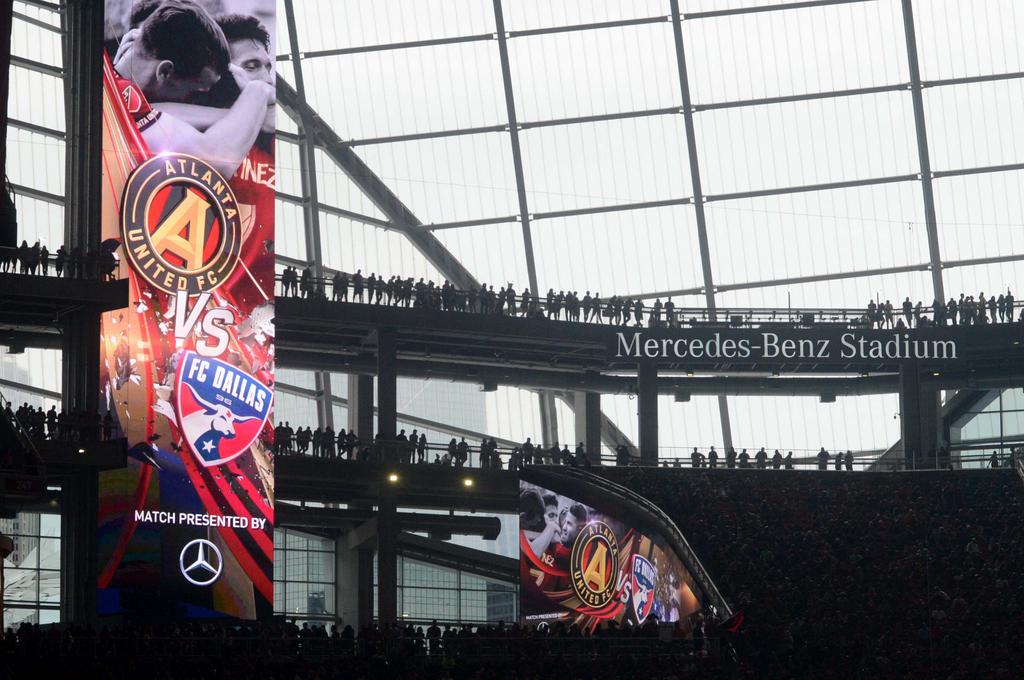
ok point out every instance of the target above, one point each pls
(76, 263)
(396, 291)
(53, 424)
(857, 576)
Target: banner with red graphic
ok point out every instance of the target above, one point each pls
(579, 565)
(187, 370)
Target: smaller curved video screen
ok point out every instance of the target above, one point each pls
(579, 565)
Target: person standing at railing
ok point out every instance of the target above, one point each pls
(823, 459)
(993, 461)
(849, 461)
(730, 458)
(712, 458)
(776, 460)
(789, 460)
(839, 461)
(744, 459)
(761, 457)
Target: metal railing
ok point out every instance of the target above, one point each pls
(71, 264)
(441, 455)
(612, 311)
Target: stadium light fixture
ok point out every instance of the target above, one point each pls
(467, 482)
(393, 477)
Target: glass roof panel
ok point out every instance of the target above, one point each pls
(290, 234)
(494, 254)
(36, 43)
(449, 178)
(990, 279)
(349, 245)
(333, 24)
(773, 237)
(682, 425)
(513, 413)
(957, 38)
(531, 14)
(618, 253)
(580, 73)
(335, 188)
(35, 160)
(607, 163)
(975, 125)
(770, 54)
(41, 221)
(46, 105)
(289, 174)
(405, 91)
(801, 143)
(980, 215)
(852, 293)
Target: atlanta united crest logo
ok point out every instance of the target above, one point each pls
(594, 564)
(642, 587)
(180, 227)
(221, 409)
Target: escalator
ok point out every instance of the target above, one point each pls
(22, 472)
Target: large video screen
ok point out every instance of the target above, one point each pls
(187, 369)
(583, 566)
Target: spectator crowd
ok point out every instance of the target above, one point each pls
(396, 291)
(36, 260)
(42, 424)
(286, 651)
(859, 576)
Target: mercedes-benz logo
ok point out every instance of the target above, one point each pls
(204, 562)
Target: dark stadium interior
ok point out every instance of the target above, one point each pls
(448, 340)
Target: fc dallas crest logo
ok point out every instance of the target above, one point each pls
(643, 578)
(221, 409)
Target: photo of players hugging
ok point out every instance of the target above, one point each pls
(198, 77)
(583, 567)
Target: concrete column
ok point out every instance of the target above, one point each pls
(365, 576)
(387, 555)
(588, 424)
(919, 419)
(80, 372)
(647, 396)
(360, 406)
(346, 584)
(387, 385)
(78, 559)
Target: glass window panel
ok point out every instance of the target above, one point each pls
(411, 90)
(14, 617)
(349, 245)
(50, 15)
(957, 38)
(334, 188)
(683, 425)
(988, 279)
(21, 585)
(803, 424)
(49, 586)
(38, 220)
(294, 409)
(607, 163)
(773, 237)
(494, 254)
(49, 616)
(770, 54)
(610, 70)
(35, 160)
(49, 553)
(982, 426)
(851, 293)
(693, 6)
(329, 24)
(980, 215)
(513, 413)
(638, 251)
(527, 14)
(296, 377)
(801, 143)
(49, 525)
(46, 105)
(454, 404)
(40, 368)
(1013, 424)
(1013, 399)
(450, 178)
(975, 125)
(284, 121)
